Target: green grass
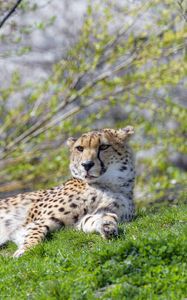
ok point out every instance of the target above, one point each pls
(147, 261)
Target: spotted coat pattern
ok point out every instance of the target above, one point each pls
(96, 199)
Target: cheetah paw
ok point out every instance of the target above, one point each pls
(18, 253)
(109, 230)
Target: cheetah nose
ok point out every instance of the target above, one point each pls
(88, 164)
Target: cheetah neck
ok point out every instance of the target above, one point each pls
(118, 179)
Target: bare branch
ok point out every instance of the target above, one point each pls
(10, 13)
(63, 117)
(69, 99)
(183, 10)
(123, 31)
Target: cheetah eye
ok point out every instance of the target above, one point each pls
(80, 148)
(104, 147)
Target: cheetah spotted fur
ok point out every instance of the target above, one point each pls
(99, 195)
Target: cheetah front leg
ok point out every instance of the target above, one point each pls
(103, 223)
(35, 232)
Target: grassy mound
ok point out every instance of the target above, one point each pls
(147, 261)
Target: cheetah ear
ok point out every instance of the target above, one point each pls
(70, 142)
(125, 133)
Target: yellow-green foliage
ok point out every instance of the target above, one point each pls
(119, 66)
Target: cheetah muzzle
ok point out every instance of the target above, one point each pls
(96, 199)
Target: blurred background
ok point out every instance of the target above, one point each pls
(71, 66)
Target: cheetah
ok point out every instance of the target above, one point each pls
(97, 197)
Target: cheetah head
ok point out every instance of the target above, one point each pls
(97, 153)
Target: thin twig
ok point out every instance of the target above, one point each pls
(122, 32)
(74, 111)
(66, 101)
(68, 114)
(10, 13)
(183, 10)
